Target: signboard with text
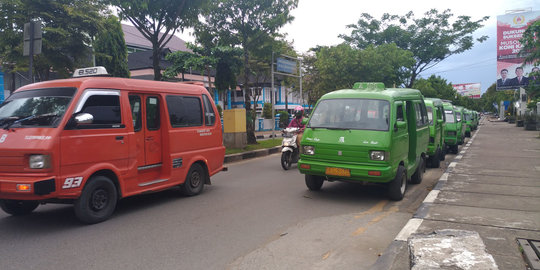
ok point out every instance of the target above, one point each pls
(511, 74)
(471, 90)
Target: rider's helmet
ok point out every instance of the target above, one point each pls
(298, 111)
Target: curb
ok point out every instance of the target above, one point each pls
(390, 254)
(251, 154)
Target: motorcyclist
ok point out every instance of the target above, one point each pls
(297, 122)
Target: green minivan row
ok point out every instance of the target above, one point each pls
(371, 133)
(437, 124)
(367, 134)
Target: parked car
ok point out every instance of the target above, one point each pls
(436, 147)
(367, 134)
(451, 138)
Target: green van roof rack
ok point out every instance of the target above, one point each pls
(369, 86)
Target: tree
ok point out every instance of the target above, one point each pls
(339, 67)
(110, 48)
(179, 64)
(244, 23)
(431, 38)
(436, 87)
(68, 28)
(158, 20)
(531, 50)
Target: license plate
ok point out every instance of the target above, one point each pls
(338, 171)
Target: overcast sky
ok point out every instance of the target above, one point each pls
(319, 22)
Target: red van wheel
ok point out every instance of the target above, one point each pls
(97, 201)
(195, 180)
(18, 208)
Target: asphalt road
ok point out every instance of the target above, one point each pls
(255, 216)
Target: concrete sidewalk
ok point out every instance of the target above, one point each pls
(486, 201)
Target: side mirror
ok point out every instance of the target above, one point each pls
(399, 125)
(79, 118)
(84, 118)
(305, 120)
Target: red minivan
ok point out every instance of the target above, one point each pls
(93, 140)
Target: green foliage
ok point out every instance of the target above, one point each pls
(158, 20)
(267, 111)
(110, 48)
(341, 66)
(220, 110)
(245, 23)
(436, 87)
(531, 44)
(531, 50)
(431, 38)
(68, 28)
(179, 60)
(283, 119)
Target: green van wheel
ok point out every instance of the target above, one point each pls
(314, 182)
(396, 188)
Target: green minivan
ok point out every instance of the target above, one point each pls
(468, 120)
(460, 120)
(451, 129)
(366, 134)
(436, 147)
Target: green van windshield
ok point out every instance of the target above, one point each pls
(449, 117)
(355, 113)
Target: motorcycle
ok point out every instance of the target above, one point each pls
(289, 152)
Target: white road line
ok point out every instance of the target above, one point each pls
(432, 196)
(412, 225)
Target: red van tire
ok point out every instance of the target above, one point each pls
(18, 208)
(97, 201)
(314, 182)
(195, 180)
(398, 186)
(418, 175)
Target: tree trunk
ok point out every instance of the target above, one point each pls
(250, 123)
(155, 63)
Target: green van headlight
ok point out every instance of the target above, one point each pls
(377, 155)
(309, 150)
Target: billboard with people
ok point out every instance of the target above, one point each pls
(471, 90)
(512, 72)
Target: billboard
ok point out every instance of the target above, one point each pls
(471, 90)
(511, 74)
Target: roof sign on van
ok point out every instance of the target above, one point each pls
(90, 71)
(369, 86)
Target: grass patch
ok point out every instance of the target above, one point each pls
(250, 147)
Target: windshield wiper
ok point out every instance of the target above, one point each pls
(337, 128)
(15, 120)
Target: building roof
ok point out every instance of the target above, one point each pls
(143, 60)
(134, 38)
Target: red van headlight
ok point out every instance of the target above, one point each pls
(39, 161)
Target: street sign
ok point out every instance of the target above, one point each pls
(36, 38)
(286, 66)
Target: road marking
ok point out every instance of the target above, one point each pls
(430, 198)
(444, 176)
(412, 225)
(376, 219)
(325, 256)
(452, 165)
(459, 156)
(377, 208)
